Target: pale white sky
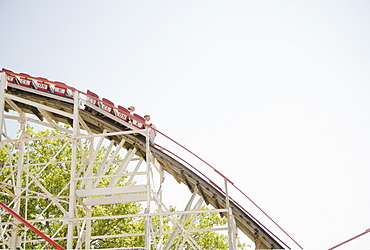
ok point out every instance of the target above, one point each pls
(274, 94)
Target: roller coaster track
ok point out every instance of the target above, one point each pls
(93, 124)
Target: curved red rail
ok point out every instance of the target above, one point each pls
(229, 181)
(367, 231)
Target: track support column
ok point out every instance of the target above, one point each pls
(3, 86)
(230, 222)
(72, 187)
(147, 209)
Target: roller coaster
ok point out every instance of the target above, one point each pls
(36, 101)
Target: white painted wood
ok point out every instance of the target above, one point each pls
(115, 199)
(111, 190)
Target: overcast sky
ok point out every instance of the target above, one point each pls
(273, 94)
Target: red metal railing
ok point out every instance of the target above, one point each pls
(220, 189)
(367, 231)
(26, 223)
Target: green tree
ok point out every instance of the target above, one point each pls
(49, 161)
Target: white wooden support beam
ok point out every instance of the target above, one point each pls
(123, 166)
(3, 86)
(72, 186)
(111, 190)
(104, 166)
(135, 171)
(39, 105)
(147, 209)
(230, 220)
(49, 117)
(14, 106)
(115, 199)
(88, 170)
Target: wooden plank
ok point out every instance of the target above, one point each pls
(115, 199)
(111, 190)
